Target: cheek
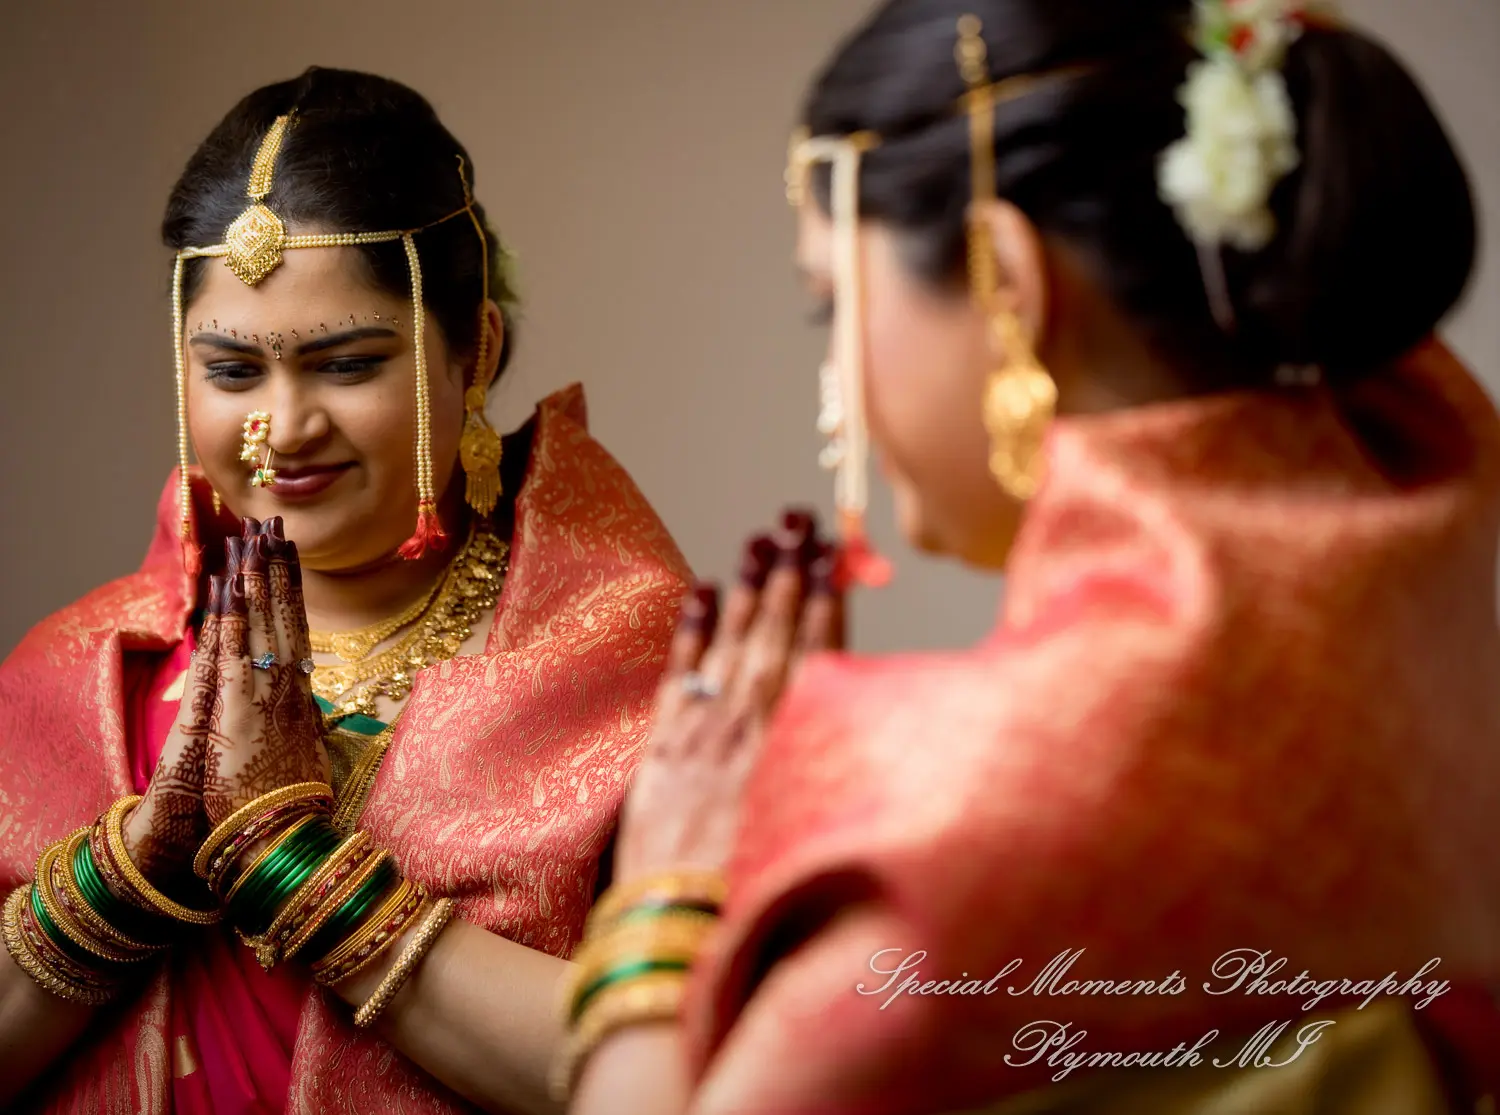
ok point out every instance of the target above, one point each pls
(216, 431)
(923, 388)
(446, 425)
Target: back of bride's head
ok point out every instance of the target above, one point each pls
(1374, 235)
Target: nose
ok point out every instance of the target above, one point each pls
(298, 417)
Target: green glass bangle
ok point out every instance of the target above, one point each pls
(252, 893)
(349, 914)
(251, 909)
(260, 907)
(299, 872)
(247, 894)
(244, 876)
(138, 924)
(64, 943)
(626, 970)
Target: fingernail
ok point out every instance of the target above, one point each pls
(293, 563)
(216, 602)
(797, 537)
(249, 528)
(796, 552)
(760, 555)
(700, 609)
(234, 555)
(272, 528)
(822, 573)
(254, 561)
(799, 520)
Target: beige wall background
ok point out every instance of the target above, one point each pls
(630, 151)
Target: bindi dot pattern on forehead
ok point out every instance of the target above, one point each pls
(251, 343)
(391, 320)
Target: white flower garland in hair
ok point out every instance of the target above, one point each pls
(1241, 130)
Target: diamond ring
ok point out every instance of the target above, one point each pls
(307, 665)
(699, 688)
(264, 662)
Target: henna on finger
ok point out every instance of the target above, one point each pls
(257, 592)
(288, 614)
(166, 827)
(270, 734)
(234, 689)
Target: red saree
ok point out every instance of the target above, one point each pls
(500, 786)
(1244, 694)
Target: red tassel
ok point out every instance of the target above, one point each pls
(429, 536)
(859, 563)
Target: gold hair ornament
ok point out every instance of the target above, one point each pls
(1020, 397)
(841, 381)
(253, 248)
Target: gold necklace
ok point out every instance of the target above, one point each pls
(468, 589)
(354, 646)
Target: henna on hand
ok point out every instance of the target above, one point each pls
(163, 832)
(269, 732)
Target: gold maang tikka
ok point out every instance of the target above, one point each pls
(257, 442)
(841, 417)
(252, 249)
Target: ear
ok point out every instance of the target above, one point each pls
(1022, 258)
(492, 321)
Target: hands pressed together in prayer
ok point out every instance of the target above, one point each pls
(248, 723)
(726, 672)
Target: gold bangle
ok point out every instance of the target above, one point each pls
(372, 938)
(114, 833)
(22, 951)
(226, 829)
(62, 915)
(367, 928)
(654, 998)
(91, 918)
(653, 941)
(296, 908)
(309, 929)
(674, 886)
(412, 955)
(265, 853)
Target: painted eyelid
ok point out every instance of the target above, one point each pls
(353, 363)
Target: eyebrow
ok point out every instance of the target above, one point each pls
(317, 344)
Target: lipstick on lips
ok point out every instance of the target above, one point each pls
(305, 481)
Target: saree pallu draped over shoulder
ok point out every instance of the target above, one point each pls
(500, 785)
(1244, 698)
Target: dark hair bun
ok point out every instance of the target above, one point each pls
(1376, 227)
(1378, 224)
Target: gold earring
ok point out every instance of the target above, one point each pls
(257, 434)
(218, 501)
(1020, 398)
(1020, 401)
(480, 449)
